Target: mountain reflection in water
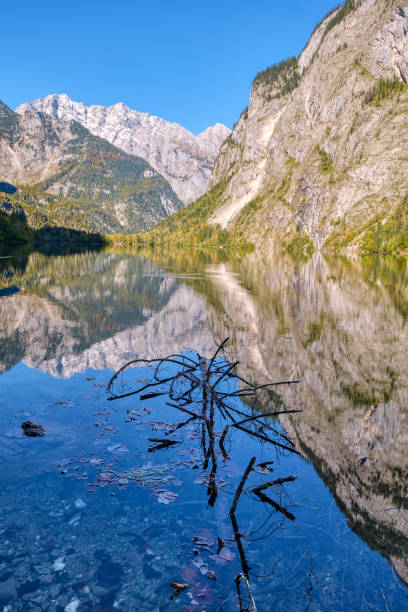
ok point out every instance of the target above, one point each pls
(338, 325)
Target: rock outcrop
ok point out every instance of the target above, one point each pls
(320, 152)
(183, 159)
(64, 176)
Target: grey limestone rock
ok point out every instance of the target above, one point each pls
(183, 159)
(321, 157)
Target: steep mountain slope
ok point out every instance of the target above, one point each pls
(183, 159)
(320, 153)
(62, 175)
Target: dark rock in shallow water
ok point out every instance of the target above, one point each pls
(28, 587)
(109, 573)
(8, 591)
(49, 545)
(134, 538)
(32, 430)
(150, 572)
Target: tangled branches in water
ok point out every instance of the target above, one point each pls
(207, 392)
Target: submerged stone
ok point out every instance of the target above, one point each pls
(79, 503)
(8, 591)
(32, 430)
(58, 564)
(72, 606)
(109, 573)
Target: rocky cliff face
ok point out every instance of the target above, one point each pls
(320, 152)
(184, 160)
(69, 178)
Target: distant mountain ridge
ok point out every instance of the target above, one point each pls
(63, 176)
(183, 159)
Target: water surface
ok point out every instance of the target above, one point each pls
(83, 524)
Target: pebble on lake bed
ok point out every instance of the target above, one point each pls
(58, 564)
(72, 606)
(79, 503)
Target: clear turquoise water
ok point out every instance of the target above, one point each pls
(81, 523)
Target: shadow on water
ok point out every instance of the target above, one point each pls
(64, 240)
(7, 188)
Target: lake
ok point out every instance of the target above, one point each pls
(100, 513)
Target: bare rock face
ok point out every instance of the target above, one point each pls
(320, 152)
(391, 44)
(183, 159)
(78, 180)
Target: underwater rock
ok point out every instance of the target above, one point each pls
(150, 572)
(110, 574)
(8, 591)
(32, 430)
(72, 606)
(58, 564)
(79, 503)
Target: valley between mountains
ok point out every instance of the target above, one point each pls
(317, 161)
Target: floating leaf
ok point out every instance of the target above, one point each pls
(202, 594)
(189, 574)
(204, 538)
(178, 585)
(225, 556)
(165, 497)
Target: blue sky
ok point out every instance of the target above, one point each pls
(187, 61)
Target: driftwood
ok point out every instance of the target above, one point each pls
(199, 388)
(161, 443)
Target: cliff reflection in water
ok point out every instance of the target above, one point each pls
(341, 326)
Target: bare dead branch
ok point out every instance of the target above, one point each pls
(213, 358)
(269, 414)
(264, 498)
(241, 485)
(272, 483)
(266, 439)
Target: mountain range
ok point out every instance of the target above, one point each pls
(56, 173)
(183, 159)
(318, 159)
(62, 175)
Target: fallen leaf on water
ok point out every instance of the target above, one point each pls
(202, 594)
(165, 497)
(189, 574)
(225, 556)
(178, 585)
(204, 538)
